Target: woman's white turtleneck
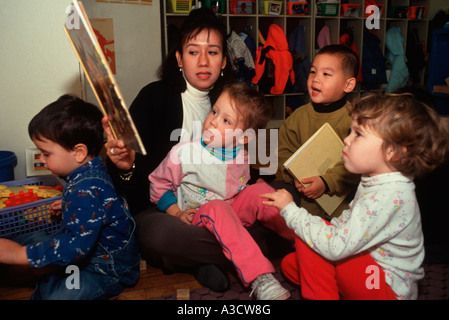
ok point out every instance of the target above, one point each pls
(196, 106)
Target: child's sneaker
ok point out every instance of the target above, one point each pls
(266, 287)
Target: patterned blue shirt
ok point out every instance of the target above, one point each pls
(93, 214)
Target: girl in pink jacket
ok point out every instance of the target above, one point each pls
(204, 183)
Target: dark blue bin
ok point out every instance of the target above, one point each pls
(439, 68)
(7, 162)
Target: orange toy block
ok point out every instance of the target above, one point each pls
(21, 198)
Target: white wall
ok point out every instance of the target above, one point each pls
(37, 62)
(37, 66)
(137, 35)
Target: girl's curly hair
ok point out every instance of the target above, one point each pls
(414, 131)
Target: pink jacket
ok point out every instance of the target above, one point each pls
(196, 176)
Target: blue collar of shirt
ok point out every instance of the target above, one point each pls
(95, 163)
(222, 153)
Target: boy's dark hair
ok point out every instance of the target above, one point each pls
(197, 21)
(250, 103)
(349, 59)
(69, 121)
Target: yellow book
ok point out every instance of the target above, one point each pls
(321, 152)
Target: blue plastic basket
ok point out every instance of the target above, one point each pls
(30, 217)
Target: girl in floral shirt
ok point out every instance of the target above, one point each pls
(97, 236)
(375, 249)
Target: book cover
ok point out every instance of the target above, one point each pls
(101, 78)
(319, 153)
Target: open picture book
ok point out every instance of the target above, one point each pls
(319, 153)
(101, 79)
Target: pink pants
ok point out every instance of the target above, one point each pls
(321, 279)
(227, 221)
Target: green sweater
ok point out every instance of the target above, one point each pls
(300, 126)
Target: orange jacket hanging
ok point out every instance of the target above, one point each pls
(281, 56)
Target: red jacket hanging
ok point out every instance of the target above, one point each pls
(345, 40)
(276, 49)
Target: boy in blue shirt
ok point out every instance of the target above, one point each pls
(98, 232)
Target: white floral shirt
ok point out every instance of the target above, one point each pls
(383, 219)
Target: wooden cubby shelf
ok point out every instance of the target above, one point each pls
(391, 15)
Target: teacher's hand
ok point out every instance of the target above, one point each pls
(122, 157)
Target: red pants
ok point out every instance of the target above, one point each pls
(355, 278)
